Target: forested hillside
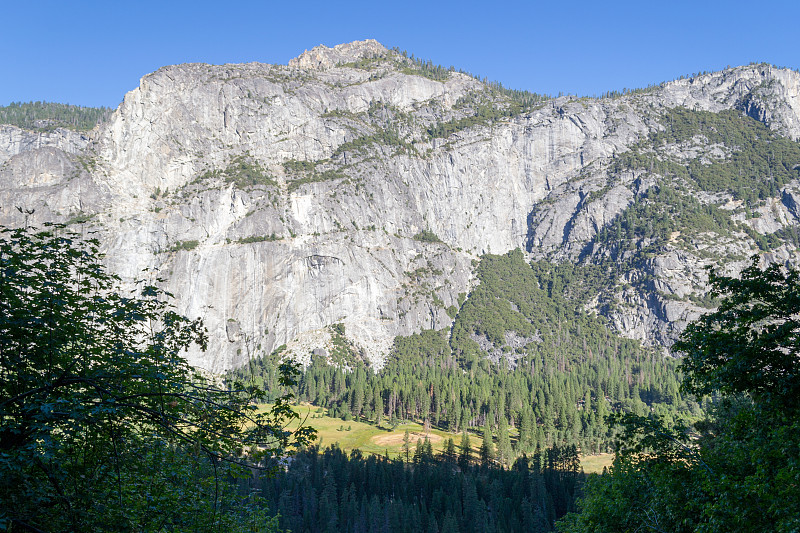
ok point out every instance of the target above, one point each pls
(747, 165)
(554, 371)
(46, 116)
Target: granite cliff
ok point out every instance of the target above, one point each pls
(357, 186)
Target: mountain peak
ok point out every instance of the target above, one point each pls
(321, 57)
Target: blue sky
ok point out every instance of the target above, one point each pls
(92, 53)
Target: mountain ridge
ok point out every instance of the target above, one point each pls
(282, 200)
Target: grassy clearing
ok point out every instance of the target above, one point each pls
(383, 439)
(370, 438)
(593, 464)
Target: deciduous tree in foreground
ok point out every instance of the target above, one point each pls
(103, 424)
(738, 470)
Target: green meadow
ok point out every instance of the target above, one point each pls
(385, 439)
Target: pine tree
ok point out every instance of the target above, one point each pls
(487, 447)
(525, 435)
(377, 406)
(504, 452)
(450, 451)
(450, 524)
(407, 445)
(427, 450)
(464, 451)
(419, 452)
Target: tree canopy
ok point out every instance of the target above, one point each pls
(738, 469)
(103, 423)
(750, 345)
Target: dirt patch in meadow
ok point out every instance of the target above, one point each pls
(396, 439)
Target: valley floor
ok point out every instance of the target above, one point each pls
(385, 439)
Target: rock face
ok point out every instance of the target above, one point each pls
(280, 200)
(321, 57)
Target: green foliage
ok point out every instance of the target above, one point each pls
(295, 165)
(464, 451)
(540, 302)
(331, 491)
(624, 500)
(760, 163)
(185, 246)
(426, 68)
(757, 164)
(343, 352)
(487, 450)
(738, 470)
(304, 172)
(245, 173)
(486, 108)
(46, 116)
(365, 63)
(420, 67)
(327, 175)
(659, 212)
(524, 100)
(484, 113)
(80, 218)
(407, 445)
(103, 424)
(760, 160)
(750, 344)
(427, 235)
(383, 137)
(259, 238)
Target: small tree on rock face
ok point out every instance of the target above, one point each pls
(103, 424)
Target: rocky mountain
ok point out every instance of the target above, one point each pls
(357, 186)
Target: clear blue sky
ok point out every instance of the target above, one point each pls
(92, 53)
